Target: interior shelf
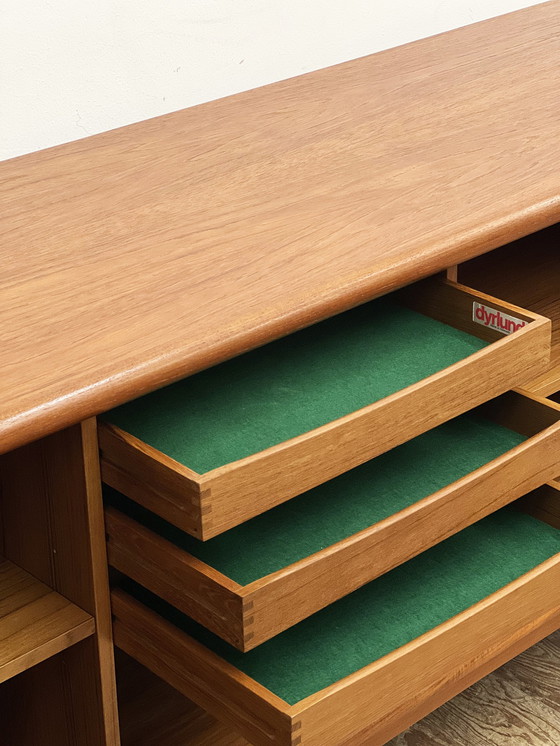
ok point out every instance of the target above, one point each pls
(35, 621)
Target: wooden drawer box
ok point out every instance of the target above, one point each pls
(366, 667)
(258, 579)
(216, 449)
(526, 272)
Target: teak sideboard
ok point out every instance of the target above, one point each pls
(280, 403)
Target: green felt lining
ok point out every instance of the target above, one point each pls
(390, 611)
(343, 506)
(293, 385)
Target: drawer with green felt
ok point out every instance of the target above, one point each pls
(261, 577)
(217, 448)
(365, 667)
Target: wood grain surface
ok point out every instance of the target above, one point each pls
(208, 504)
(408, 683)
(246, 616)
(415, 679)
(35, 621)
(52, 521)
(526, 272)
(517, 704)
(135, 257)
(152, 713)
(521, 699)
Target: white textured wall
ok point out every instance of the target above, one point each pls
(71, 68)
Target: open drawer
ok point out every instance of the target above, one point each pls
(526, 272)
(368, 666)
(264, 576)
(220, 447)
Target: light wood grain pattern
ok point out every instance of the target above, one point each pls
(155, 480)
(415, 679)
(518, 703)
(247, 616)
(35, 621)
(408, 683)
(52, 516)
(450, 302)
(141, 255)
(526, 272)
(197, 672)
(548, 382)
(208, 504)
(522, 411)
(544, 504)
(381, 735)
(203, 593)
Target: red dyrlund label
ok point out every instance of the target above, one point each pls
(497, 320)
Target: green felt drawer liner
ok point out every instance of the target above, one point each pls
(293, 385)
(345, 505)
(388, 612)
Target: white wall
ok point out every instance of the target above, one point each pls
(71, 68)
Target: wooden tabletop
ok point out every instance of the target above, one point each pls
(135, 257)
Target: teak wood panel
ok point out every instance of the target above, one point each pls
(379, 734)
(526, 272)
(248, 615)
(121, 271)
(48, 704)
(152, 713)
(52, 521)
(265, 717)
(189, 584)
(35, 621)
(205, 505)
(544, 504)
(381, 698)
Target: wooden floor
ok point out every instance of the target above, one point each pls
(518, 705)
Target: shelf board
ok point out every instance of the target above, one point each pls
(35, 621)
